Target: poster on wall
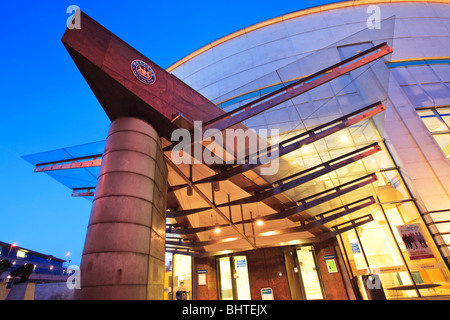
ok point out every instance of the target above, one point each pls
(201, 274)
(414, 241)
(331, 265)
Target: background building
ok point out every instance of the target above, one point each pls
(405, 241)
(47, 268)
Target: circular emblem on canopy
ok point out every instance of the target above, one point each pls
(143, 72)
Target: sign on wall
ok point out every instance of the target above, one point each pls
(143, 72)
(201, 274)
(331, 263)
(266, 294)
(331, 266)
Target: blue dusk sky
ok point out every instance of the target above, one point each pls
(46, 104)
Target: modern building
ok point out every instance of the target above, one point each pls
(46, 268)
(352, 98)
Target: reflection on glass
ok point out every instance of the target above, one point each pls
(383, 256)
(444, 142)
(432, 120)
(437, 120)
(445, 115)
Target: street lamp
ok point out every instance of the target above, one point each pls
(67, 257)
(10, 247)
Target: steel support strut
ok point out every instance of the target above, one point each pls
(319, 219)
(83, 192)
(336, 230)
(206, 199)
(305, 203)
(85, 162)
(295, 180)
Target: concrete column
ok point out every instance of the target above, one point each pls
(123, 256)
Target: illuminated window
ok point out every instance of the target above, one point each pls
(20, 254)
(437, 120)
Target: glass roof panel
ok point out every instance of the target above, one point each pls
(79, 151)
(74, 178)
(71, 178)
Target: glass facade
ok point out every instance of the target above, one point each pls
(410, 263)
(437, 120)
(381, 247)
(427, 87)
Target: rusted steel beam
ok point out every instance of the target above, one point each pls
(337, 191)
(83, 192)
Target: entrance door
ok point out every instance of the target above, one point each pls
(225, 279)
(309, 274)
(302, 274)
(234, 283)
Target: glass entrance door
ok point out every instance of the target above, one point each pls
(309, 274)
(225, 279)
(234, 283)
(241, 278)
